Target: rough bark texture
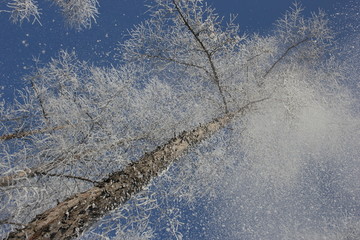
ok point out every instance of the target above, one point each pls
(71, 217)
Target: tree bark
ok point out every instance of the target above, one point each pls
(74, 215)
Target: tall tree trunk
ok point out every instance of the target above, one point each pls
(74, 215)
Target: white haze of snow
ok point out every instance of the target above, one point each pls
(299, 179)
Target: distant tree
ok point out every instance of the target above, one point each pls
(78, 14)
(191, 95)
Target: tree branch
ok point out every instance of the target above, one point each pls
(31, 132)
(11, 223)
(284, 55)
(13, 119)
(66, 176)
(41, 102)
(12, 179)
(178, 62)
(206, 51)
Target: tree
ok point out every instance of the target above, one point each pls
(192, 102)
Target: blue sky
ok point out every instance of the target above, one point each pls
(20, 44)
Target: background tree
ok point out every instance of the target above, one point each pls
(272, 113)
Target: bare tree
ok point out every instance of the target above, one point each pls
(191, 103)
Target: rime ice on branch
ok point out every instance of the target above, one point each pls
(79, 14)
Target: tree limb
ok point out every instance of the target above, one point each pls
(67, 176)
(12, 179)
(284, 55)
(206, 51)
(11, 223)
(177, 61)
(31, 132)
(41, 102)
(13, 119)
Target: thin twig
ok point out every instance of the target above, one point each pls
(31, 132)
(11, 223)
(13, 119)
(12, 179)
(177, 61)
(283, 55)
(41, 101)
(66, 176)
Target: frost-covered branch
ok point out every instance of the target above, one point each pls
(24, 10)
(44, 169)
(284, 55)
(295, 31)
(206, 39)
(39, 97)
(79, 14)
(206, 51)
(67, 176)
(23, 134)
(11, 223)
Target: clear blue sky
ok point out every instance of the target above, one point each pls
(20, 44)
